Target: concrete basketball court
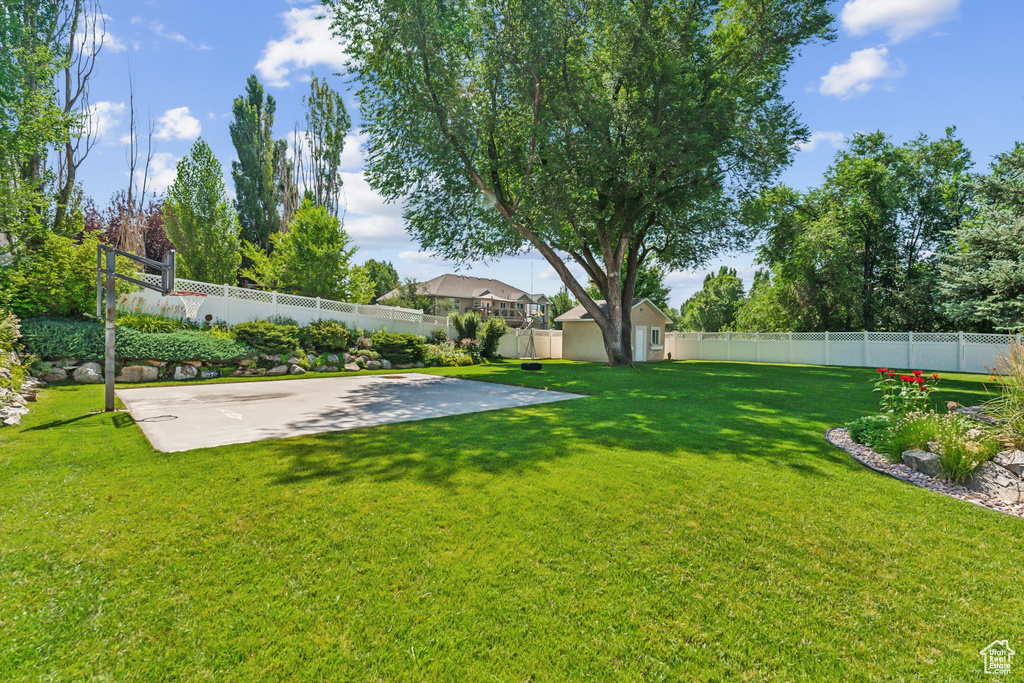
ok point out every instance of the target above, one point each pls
(180, 418)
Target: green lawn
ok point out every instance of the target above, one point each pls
(685, 521)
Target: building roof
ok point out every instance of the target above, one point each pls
(468, 287)
(580, 313)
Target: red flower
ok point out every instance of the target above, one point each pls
(917, 373)
(882, 371)
(920, 380)
(904, 378)
(935, 376)
(892, 375)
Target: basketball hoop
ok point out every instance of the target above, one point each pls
(192, 301)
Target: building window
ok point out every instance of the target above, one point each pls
(476, 303)
(519, 306)
(655, 336)
(543, 308)
(503, 304)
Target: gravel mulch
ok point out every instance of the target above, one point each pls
(840, 438)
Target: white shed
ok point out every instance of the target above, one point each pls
(582, 338)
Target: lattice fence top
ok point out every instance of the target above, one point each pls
(849, 337)
(298, 301)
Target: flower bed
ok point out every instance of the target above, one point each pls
(840, 438)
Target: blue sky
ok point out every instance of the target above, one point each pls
(902, 66)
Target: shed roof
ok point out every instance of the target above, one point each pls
(580, 313)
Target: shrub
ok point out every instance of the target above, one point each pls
(467, 325)
(1008, 408)
(959, 454)
(362, 342)
(401, 349)
(325, 335)
(438, 336)
(472, 347)
(13, 368)
(54, 338)
(870, 430)
(446, 355)
(268, 337)
(150, 322)
(283, 320)
(913, 432)
(494, 329)
(57, 278)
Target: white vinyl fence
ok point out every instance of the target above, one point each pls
(531, 344)
(946, 351)
(235, 305)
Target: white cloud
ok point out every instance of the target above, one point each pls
(163, 169)
(858, 75)
(900, 19)
(158, 28)
(422, 258)
(352, 155)
(102, 118)
(374, 223)
(94, 33)
(831, 137)
(307, 42)
(178, 124)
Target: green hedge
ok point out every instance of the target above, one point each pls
(401, 349)
(325, 335)
(268, 337)
(55, 338)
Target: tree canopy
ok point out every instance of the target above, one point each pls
(255, 173)
(607, 133)
(714, 307)
(982, 275)
(200, 221)
(312, 259)
(861, 251)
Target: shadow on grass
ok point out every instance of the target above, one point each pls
(755, 414)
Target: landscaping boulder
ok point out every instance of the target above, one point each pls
(349, 358)
(923, 462)
(54, 374)
(210, 373)
(296, 370)
(372, 365)
(292, 360)
(352, 367)
(131, 374)
(90, 373)
(333, 359)
(1011, 460)
(996, 481)
(419, 364)
(325, 368)
(185, 372)
(273, 358)
(277, 371)
(385, 363)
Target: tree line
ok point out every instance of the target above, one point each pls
(898, 237)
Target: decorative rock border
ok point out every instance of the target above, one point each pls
(840, 438)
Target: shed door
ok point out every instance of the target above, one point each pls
(640, 347)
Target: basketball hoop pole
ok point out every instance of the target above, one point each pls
(106, 275)
(108, 334)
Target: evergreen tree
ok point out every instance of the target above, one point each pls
(982, 276)
(199, 220)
